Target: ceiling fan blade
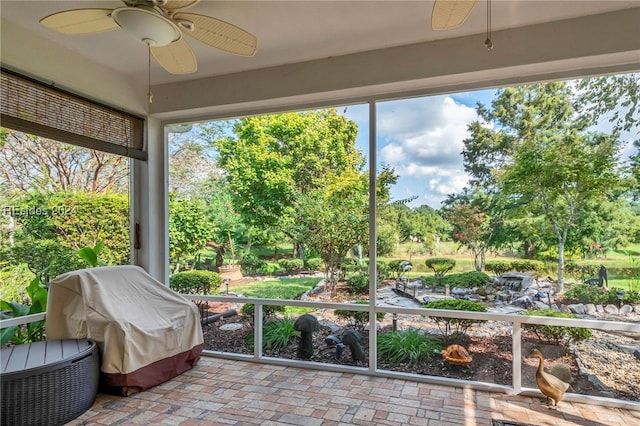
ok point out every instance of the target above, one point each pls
(176, 58)
(179, 4)
(449, 14)
(219, 34)
(80, 21)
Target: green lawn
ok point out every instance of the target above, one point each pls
(281, 288)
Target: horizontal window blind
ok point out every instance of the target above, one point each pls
(38, 109)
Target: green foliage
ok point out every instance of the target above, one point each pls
(359, 318)
(189, 230)
(90, 254)
(556, 334)
(195, 282)
(454, 328)
(314, 264)
(440, 265)
(268, 311)
(52, 227)
(358, 284)
(291, 265)
(33, 331)
(584, 293)
(382, 270)
(464, 279)
(394, 267)
(499, 267)
(12, 279)
(252, 265)
(581, 271)
(278, 333)
(410, 347)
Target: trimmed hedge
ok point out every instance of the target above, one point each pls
(464, 279)
(291, 265)
(454, 328)
(556, 334)
(195, 282)
(500, 267)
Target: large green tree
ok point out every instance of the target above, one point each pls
(535, 148)
(275, 161)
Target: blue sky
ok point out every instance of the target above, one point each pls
(421, 138)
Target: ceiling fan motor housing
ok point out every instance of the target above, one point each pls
(146, 25)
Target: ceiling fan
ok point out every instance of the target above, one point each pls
(160, 25)
(448, 14)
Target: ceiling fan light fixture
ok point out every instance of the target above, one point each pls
(146, 26)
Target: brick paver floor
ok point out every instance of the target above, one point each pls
(227, 392)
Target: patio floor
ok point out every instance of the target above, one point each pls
(227, 392)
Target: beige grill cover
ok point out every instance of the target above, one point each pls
(146, 332)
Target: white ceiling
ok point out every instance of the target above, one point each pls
(292, 31)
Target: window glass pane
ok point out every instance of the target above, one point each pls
(56, 200)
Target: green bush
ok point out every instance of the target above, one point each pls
(526, 265)
(291, 265)
(358, 284)
(585, 293)
(314, 264)
(382, 270)
(195, 282)
(454, 328)
(277, 334)
(270, 269)
(580, 270)
(463, 279)
(556, 334)
(252, 265)
(408, 346)
(268, 311)
(359, 318)
(498, 267)
(394, 268)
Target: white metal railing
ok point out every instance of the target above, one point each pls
(517, 322)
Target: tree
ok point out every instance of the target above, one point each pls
(534, 147)
(275, 161)
(613, 97)
(32, 163)
(189, 230)
(473, 224)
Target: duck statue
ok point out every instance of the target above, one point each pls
(554, 382)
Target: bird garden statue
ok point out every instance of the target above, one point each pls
(554, 382)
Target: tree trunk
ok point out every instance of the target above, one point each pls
(560, 287)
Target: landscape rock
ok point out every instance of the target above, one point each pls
(626, 310)
(590, 308)
(576, 308)
(599, 309)
(611, 309)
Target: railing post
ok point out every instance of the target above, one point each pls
(516, 353)
(257, 331)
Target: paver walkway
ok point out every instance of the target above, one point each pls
(226, 392)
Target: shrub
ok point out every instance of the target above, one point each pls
(359, 318)
(453, 328)
(577, 270)
(407, 346)
(585, 293)
(394, 268)
(277, 334)
(498, 267)
(268, 311)
(34, 331)
(464, 279)
(556, 334)
(440, 266)
(382, 270)
(314, 264)
(195, 282)
(358, 284)
(291, 265)
(526, 265)
(252, 265)
(270, 269)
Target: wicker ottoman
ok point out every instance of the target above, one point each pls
(48, 383)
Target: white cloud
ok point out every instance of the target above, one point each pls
(422, 140)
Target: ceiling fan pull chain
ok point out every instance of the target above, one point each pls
(488, 43)
(149, 94)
